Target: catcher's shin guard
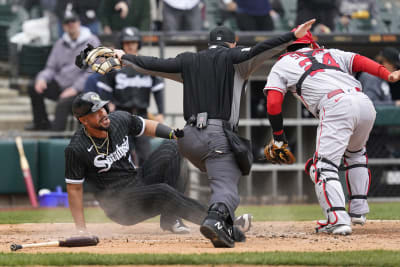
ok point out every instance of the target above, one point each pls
(358, 180)
(330, 193)
(331, 199)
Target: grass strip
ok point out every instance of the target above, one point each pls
(349, 258)
(382, 211)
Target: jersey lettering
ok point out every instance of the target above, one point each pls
(329, 60)
(123, 81)
(105, 162)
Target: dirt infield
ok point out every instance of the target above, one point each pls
(148, 238)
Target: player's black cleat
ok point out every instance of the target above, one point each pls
(216, 228)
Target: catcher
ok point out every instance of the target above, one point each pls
(322, 79)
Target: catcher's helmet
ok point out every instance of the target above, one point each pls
(87, 103)
(130, 34)
(306, 39)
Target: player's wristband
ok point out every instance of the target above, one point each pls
(280, 137)
(163, 131)
(276, 122)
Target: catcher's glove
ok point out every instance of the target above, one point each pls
(278, 153)
(100, 59)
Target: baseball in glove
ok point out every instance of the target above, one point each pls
(278, 153)
(100, 59)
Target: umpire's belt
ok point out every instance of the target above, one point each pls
(222, 123)
(216, 122)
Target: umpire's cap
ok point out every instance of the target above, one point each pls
(222, 34)
(130, 34)
(87, 103)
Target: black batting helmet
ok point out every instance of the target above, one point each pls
(130, 34)
(87, 103)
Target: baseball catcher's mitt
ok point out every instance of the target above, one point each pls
(100, 59)
(279, 153)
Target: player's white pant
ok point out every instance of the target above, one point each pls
(345, 123)
(358, 180)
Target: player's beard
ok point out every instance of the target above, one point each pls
(98, 126)
(101, 128)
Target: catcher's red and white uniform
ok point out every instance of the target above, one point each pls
(346, 119)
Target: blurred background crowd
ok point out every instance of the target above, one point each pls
(108, 16)
(58, 30)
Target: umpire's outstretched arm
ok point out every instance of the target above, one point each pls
(250, 58)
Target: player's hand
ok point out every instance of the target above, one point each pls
(159, 118)
(122, 8)
(178, 133)
(303, 28)
(119, 53)
(68, 92)
(394, 76)
(40, 86)
(107, 30)
(111, 106)
(82, 232)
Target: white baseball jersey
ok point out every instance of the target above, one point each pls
(345, 123)
(287, 71)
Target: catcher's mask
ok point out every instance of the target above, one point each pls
(130, 34)
(87, 103)
(306, 39)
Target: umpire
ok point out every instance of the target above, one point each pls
(213, 81)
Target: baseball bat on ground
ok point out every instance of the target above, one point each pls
(79, 241)
(26, 172)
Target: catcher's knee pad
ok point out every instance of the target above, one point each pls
(358, 180)
(332, 201)
(317, 167)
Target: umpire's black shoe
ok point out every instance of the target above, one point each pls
(238, 235)
(216, 228)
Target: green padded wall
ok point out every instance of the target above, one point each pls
(387, 115)
(51, 163)
(11, 177)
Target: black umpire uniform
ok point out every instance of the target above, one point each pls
(130, 91)
(128, 195)
(213, 81)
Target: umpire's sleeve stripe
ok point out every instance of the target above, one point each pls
(144, 126)
(74, 181)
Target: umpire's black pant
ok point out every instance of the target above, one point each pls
(209, 150)
(157, 189)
